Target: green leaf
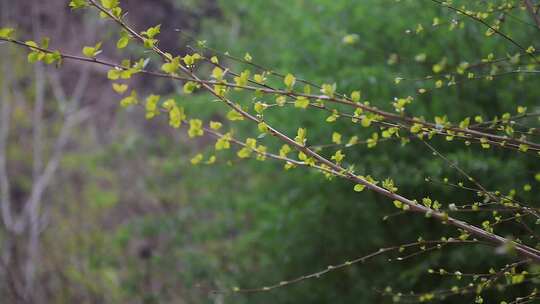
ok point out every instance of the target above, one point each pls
(388, 184)
(151, 106)
(176, 113)
(234, 115)
(190, 60)
(355, 96)
(89, 51)
(109, 4)
(31, 43)
(215, 125)
(172, 66)
(336, 138)
(245, 152)
(130, 100)
(328, 89)
(114, 74)
(52, 57)
(92, 51)
(76, 4)
(119, 88)
(33, 57)
(122, 42)
(149, 43)
(259, 78)
(259, 107)
(152, 31)
(333, 117)
(263, 127)
(301, 136)
(197, 159)
(45, 42)
(359, 187)
(7, 32)
(217, 73)
(284, 150)
(223, 143)
(243, 79)
(301, 102)
(190, 86)
(289, 81)
(338, 156)
(195, 128)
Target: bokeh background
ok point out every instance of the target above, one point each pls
(125, 218)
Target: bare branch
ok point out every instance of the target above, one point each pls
(532, 12)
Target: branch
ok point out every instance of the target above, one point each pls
(533, 12)
(345, 264)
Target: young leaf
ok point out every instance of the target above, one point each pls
(109, 4)
(76, 4)
(301, 102)
(92, 51)
(289, 81)
(119, 88)
(7, 32)
(195, 128)
(359, 187)
(152, 32)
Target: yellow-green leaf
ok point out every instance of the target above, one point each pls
(119, 88)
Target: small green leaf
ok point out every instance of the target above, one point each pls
(92, 52)
(338, 156)
(233, 115)
(284, 150)
(172, 66)
(195, 128)
(289, 81)
(114, 74)
(197, 159)
(301, 102)
(109, 4)
(359, 187)
(336, 138)
(119, 88)
(122, 42)
(328, 89)
(129, 100)
(223, 143)
(7, 32)
(76, 4)
(190, 86)
(152, 31)
(355, 96)
(151, 106)
(217, 73)
(52, 57)
(301, 136)
(31, 43)
(215, 125)
(89, 51)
